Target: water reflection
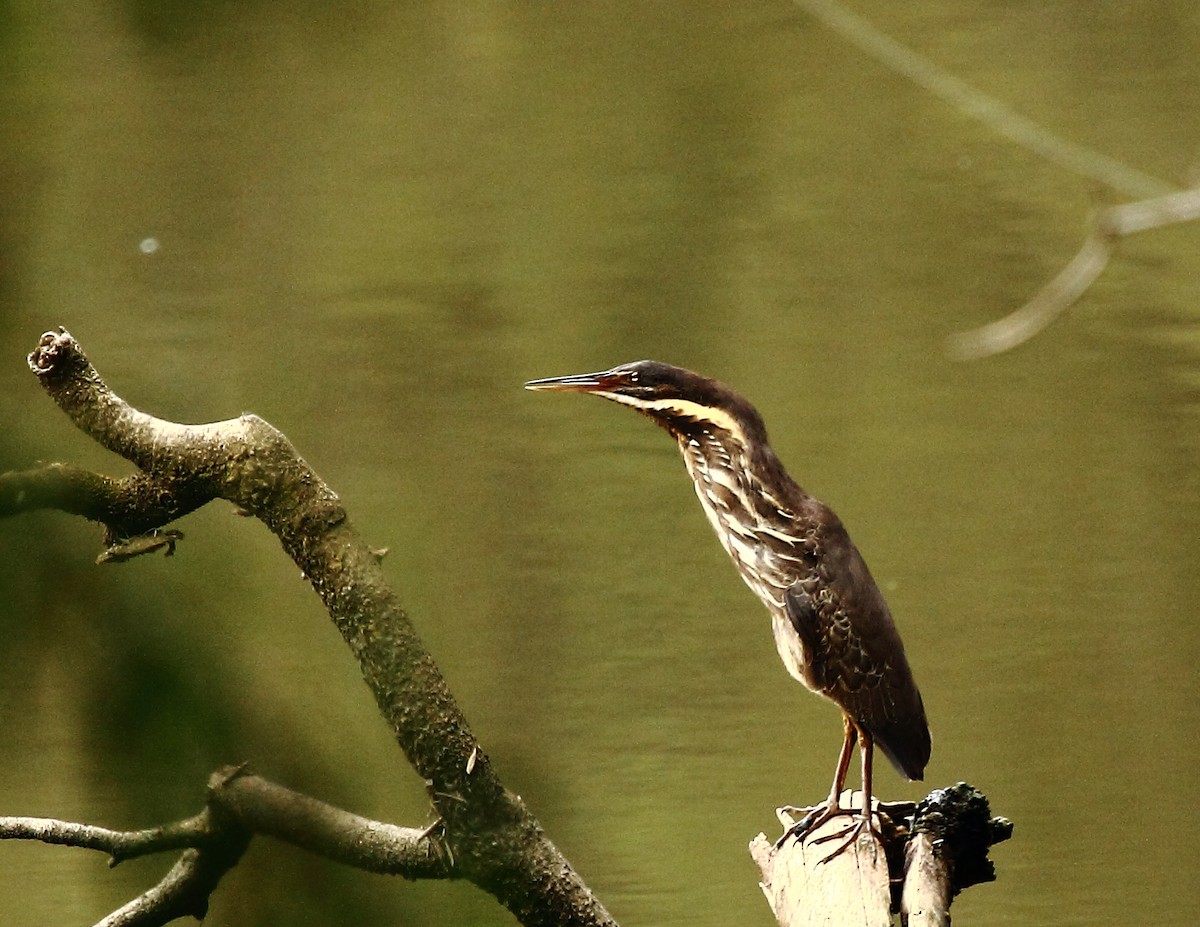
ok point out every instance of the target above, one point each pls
(376, 223)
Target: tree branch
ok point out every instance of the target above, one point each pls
(241, 805)
(183, 892)
(492, 838)
(264, 807)
(213, 842)
(1072, 281)
(118, 844)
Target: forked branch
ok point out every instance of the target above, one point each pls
(486, 833)
(239, 806)
(1072, 281)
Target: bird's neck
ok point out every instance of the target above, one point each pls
(759, 513)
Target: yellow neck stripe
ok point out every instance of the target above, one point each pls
(683, 408)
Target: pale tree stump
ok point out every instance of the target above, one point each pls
(852, 888)
(917, 869)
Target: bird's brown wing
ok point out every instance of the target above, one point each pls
(854, 653)
(806, 622)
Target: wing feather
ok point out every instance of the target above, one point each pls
(854, 654)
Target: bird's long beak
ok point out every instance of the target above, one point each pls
(603, 382)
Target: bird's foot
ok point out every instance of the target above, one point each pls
(865, 823)
(811, 821)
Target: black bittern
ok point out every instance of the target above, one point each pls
(832, 627)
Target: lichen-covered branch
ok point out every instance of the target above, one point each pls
(488, 832)
(183, 892)
(241, 805)
(126, 507)
(212, 841)
(118, 844)
(270, 809)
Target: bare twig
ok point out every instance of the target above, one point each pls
(183, 892)
(118, 844)
(1073, 280)
(213, 842)
(975, 104)
(1157, 203)
(1050, 302)
(241, 805)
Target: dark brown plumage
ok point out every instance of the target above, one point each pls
(832, 627)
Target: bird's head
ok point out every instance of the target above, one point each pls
(683, 402)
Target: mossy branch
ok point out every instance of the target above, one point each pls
(486, 830)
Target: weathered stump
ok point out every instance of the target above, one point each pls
(947, 851)
(930, 852)
(805, 890)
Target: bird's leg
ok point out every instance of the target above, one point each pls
(866, 819)
(831, 807)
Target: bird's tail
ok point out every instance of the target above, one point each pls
(906, 743)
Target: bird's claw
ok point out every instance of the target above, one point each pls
(799, 828)
(851, 835)
(824, 813)
(811, 821)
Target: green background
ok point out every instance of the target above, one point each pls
(375, 221)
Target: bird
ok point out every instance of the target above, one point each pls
(831, 626)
